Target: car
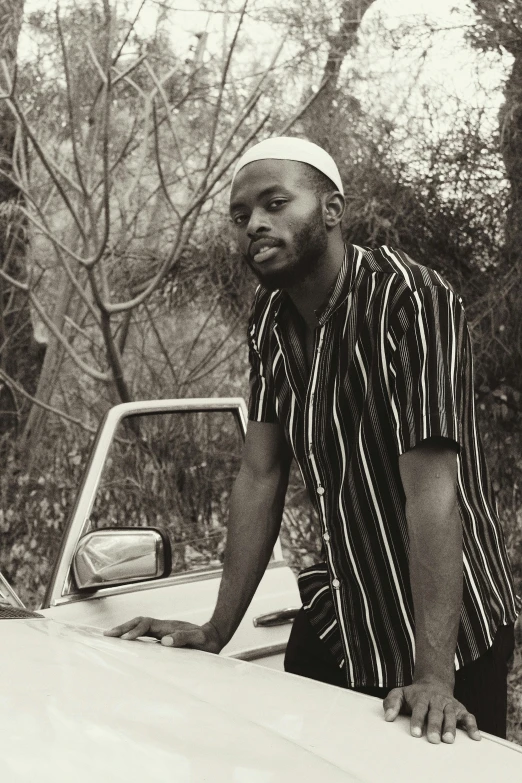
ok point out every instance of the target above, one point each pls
(146, 537)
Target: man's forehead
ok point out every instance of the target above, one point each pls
(263, 175)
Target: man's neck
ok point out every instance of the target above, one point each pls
(311, 293)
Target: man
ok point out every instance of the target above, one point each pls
(361, 369)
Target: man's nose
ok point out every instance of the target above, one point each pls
(258, 223)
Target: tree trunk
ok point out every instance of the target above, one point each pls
(500, 25)
(50, 369)
(21, 355)
(319, 117)
(510, 117)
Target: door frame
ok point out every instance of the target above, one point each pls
(61, 587)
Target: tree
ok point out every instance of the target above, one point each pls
(322, 115)
(115, 169)
(20, 354)
(500, 29)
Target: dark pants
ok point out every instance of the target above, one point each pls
(481, 685)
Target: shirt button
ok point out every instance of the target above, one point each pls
(326, 537)
(320, 490)
(336, 584)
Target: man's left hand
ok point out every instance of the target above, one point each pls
(432, 704)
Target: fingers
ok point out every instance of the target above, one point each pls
(450, 725)
(185, 638)
(172, 633)
(138, 626)
(442, 722)
(435, 724)
(468, 722)
(142, 627)
(392, 704)
(439, 713)
(418, 718)
(119, 630)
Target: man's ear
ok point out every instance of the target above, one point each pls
(333, 208)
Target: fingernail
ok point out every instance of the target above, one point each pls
(448, 737)
(125, 636)
(388, 715)
(416, 732)
(434, 738)
(167, 641)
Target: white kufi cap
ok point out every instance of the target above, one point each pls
(292, 148)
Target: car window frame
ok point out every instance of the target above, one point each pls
(61, 588)
(15, 601)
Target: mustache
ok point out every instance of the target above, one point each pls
(256, 244)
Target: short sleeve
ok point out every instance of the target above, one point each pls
(428, 368)
(261, 404)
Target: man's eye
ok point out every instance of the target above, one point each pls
(239, 219)
(276, 203)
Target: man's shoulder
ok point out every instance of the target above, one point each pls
(264, 306)
(264, 303)
(404, 271)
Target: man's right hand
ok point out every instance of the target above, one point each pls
(171, 633)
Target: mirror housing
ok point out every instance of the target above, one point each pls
(115, 556)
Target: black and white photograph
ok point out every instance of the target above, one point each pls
(260, 391)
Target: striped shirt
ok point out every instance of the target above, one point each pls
(392, 366)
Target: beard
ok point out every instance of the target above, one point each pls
(310, 243)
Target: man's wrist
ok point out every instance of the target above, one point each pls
(445, 681)
(222, 640)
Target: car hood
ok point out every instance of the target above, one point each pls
(75, 705)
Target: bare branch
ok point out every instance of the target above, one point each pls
(301, 110)
(161, 91)
(77, 328)
(97, 64)
(224, 76)
(70, 102)
(133, 84)
(113, 354)
(124, 333)
(92, 371)
(15, 283)
(200, 332)
(169, 261)
(213, 351)
(14, 385)
(200, 198)
(18, 112)
(57, 247)
(124, 74)
(162, 346)
(243, 116)
(106, 180)
(157, 156)
(213, 367)
(27, 194)
(127, 34)
(143, 151)
(11, 83)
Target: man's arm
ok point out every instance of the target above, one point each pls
(256, 508)
(429, 473)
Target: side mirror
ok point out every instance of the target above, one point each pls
(115, 556)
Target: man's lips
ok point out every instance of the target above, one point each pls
(263, 250)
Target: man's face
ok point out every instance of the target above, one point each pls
(279, 223)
